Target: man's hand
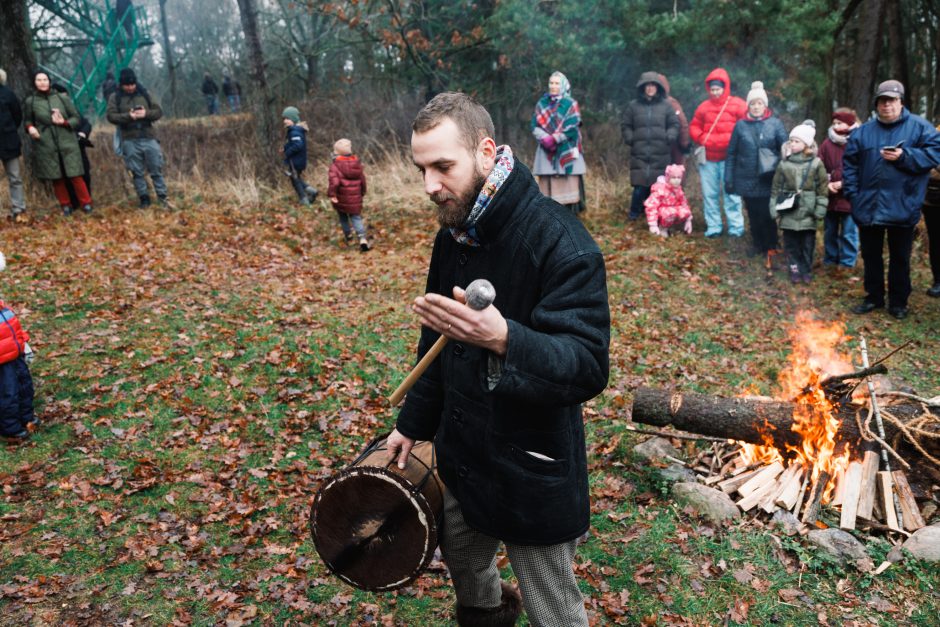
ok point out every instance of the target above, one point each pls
(452, 317)
(137, 114)
(834, 186)
(398, 447)
(891, 155)
(33, 132)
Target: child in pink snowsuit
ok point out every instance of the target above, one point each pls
(666, 206)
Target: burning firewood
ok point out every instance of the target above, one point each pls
(756, 421)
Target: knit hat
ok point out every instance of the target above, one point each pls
(846, 117)
(128, 77)
(675, 171)
(716, 83)
(757, 93)
(805, 132)
(342, 147)
(890, 89)
(3, 77)
(292, 114)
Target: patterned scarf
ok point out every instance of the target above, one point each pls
(560, 115)
(501, 171)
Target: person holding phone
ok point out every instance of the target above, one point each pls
(50, 119)
(133, 110)
(885, 168)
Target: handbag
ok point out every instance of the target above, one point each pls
(699, 152)
(767, 161)
(789, 201)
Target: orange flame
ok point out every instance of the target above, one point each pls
(814, 357)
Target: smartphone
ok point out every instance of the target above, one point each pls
(141, 108)
(897, 146)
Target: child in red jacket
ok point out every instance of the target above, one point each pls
(347, 187)
(666, 206)
(16, 384)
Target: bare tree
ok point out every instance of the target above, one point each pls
(263, 103)
(867, 55)
(168, 54)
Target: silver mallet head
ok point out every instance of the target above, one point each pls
(480, 294)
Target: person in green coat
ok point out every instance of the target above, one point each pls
(50, 119)
(801, 177)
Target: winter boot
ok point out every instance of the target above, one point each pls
(144, 201)
(363, 245)
(312, 193)
(503, 615)
(66, 210)
(86, 208)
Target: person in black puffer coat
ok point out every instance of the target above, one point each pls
(760, 128)
(11, 116)
(649, 127)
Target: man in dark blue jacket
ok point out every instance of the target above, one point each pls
(886, 165)
(502, 402)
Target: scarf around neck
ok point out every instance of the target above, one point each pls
(501, 171)
(560, 116)
(840, 140)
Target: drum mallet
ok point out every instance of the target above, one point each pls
(479, 295)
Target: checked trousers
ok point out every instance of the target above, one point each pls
(546, 577)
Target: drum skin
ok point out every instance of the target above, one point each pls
(375, 525)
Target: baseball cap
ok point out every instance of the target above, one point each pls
(891, 89)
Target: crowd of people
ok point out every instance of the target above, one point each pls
(866, 183)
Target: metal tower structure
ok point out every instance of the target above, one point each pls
(108, 42)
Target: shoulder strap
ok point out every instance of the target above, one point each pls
(709, 134)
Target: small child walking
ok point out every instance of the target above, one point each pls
(295, 154)
(666, 206)
(799, 197)
(16, 384)
(347, 187)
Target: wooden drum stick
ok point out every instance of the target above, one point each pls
(480, 294)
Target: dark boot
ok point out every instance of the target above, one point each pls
(144, 201)
(503, 615)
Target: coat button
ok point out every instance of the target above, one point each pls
(462, 472)
(463, 259)
(459, 349)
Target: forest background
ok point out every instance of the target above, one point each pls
(367, 65)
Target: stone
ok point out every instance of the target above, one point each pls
(841, 545)
(677, 472)
(787, 521)
(924, 544)
(713, 504)
(655, 448)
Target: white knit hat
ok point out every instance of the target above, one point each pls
(757, 93)
(805, 132)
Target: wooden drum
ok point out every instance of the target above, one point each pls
(375, 525)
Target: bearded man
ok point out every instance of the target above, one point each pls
(503, 400)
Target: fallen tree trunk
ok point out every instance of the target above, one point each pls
(752, 420)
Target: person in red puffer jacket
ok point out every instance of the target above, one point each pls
(347, 187)
(711, 127)
(16, 384)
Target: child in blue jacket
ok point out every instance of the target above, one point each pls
(295, 154)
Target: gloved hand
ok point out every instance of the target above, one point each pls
(548, 143)
(687, 227)
(655, 230)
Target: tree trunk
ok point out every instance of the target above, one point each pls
(263, 103)
(897, 45)
(16, 45)
(168, 51)
(750, 420)
(868, 44)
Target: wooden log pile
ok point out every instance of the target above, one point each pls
(864, 495)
